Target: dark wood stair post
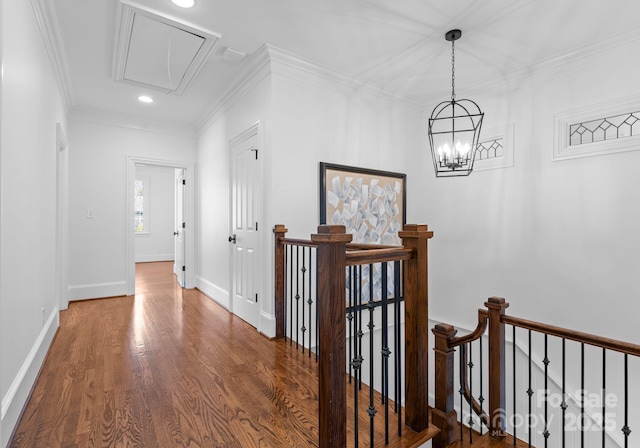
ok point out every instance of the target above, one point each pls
(279, 232)
(416, 309)
(443, 415)
(497, 379)
(332, 335)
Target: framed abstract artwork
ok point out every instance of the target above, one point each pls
(371, 204)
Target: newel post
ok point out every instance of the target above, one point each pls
(443, 415)
(332, 335)
(279, 232)
(497, 392)
(416, 306)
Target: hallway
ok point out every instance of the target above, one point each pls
(167, 367)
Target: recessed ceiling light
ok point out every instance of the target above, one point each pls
(145, 99)
(184, 3)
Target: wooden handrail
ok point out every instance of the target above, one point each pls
(297, 242)
(369, 256)
(481, 328)
(577, 336)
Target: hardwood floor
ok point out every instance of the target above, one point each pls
(170, 368)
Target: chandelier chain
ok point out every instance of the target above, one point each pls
(453, 70)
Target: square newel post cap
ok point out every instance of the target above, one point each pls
(415, 231)
(280, 228)
(332, 234)
(496, 303)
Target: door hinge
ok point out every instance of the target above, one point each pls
(184, 181)
(256, 225)
(184, 225)
(256, 151)
(256, 297)
(184, 268)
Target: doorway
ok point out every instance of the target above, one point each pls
(186, 169)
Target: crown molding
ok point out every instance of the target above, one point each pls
(255, 69)
(268, 60)
(96, 116)
(295, 67)
(47, 20)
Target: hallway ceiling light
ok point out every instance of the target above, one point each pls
(184, 3)
(145, 99)
(454, 128)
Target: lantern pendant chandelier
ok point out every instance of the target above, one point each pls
(454, 128)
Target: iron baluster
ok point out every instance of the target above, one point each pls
(358, 339)
(481, 397)
(304, 289)
(461, 374)
(470, 365)
(604, 388)
(625, 429)
(546, 433)
(350, 318)
(317, 326)
(582, 395)
(564, 395)
(385, 351)
(513, 350)
(291, 298)
(372, 410)
(297, 295)
(286, 261)
(529, 392)
(310, 300)
(398, 357)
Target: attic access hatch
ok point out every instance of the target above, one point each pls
(157, 51)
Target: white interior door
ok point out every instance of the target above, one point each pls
(245, 241)
(180, 232)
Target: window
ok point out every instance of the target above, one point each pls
(495, 148)
(139, 206)
(600, 129)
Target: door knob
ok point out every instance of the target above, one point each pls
(175, 233)
(232, 239)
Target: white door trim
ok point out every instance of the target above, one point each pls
(62, 220)
(189, 216)
(253, 130)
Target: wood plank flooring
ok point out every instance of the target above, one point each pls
(170, 368)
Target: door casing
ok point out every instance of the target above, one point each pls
(189, 216)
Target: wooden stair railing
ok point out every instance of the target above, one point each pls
(334, 254)
(494, 418)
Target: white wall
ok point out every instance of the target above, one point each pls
(558, 240)
(31, 107)
(156, 243)
(97, 182)
(212, 188)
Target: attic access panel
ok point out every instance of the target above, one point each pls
(157, 51)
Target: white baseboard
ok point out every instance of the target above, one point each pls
(214, 292)
(97, 290)
(18, 394)
(154, 258)
(268, 324)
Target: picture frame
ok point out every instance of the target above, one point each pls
(371, 204)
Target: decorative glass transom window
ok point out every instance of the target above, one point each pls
(139, 206)
(490, 149)
(609, 128)
(600, 129)
(495, 149)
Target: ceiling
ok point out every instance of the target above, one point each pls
(397, 45)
